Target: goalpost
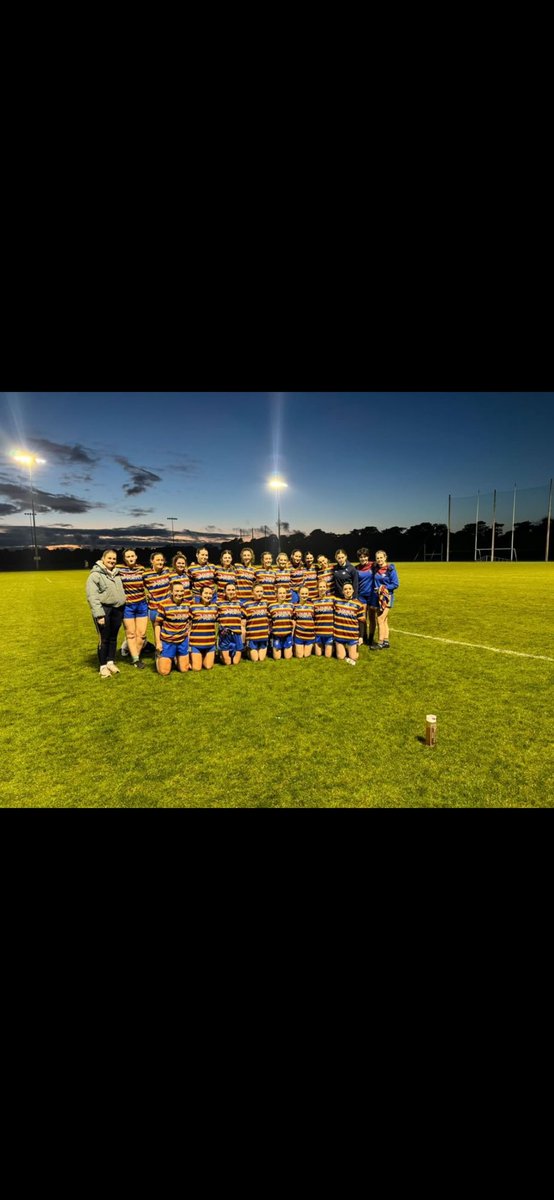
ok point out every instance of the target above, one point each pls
(496, 554)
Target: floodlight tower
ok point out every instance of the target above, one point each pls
(173, 520)
(30, 461)
(278, 484)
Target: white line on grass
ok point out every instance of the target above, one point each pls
(474, 645)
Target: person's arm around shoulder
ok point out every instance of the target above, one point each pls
(392, 579)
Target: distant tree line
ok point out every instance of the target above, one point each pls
(401, 545)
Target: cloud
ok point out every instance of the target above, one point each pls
(44, 501)
(147, 536)
(139, 512)
(140, 476)
(57, 452)
(210, 528)
(8, 508)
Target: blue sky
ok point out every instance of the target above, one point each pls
(126, 461)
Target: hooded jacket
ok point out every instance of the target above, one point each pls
(104, 588)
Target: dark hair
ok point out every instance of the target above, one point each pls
(154, 553)
(225, 552)
(363, 550)
(341, 551)
(179, 555)
(202, 548)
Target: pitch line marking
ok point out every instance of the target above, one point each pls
(474, 645)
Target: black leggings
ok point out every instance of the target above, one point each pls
(108, 633)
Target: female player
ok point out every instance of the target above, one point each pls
(365, 586)
(325, 571)
(265, 575)
(280, 616)
(202, 629)
(135, 613)
(245, 573)
(323, 616)
(256, 624)
(297, 574)
(179, 572)
(230, 621)
(385, 583)
(201, 573)
(304, 625)
(310, 575)
(172, 630)
(348, 613)
(106, 597)
(225, 573)
(157, 585)
(282, 573)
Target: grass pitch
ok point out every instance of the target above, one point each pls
(299, 734)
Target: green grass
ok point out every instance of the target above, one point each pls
(297, 734)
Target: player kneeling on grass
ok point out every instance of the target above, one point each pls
(304, 625)
(171, 629)
(256, 624)
(323, 615)
(347, 616)
(280, 615)
(202, 630)
(230, 621)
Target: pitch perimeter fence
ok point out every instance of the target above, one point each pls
(515, 523)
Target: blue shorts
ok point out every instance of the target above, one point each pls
(202, 649)
(284, 643)
(303, 641)
(231, 642)
(323, 640)
(174, 649)
(138, 608)
(260, 644)
(346, 642)
(295, 596)
(152, 613)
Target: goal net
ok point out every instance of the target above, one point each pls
(501, 554)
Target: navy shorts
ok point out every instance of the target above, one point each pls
(303, 641)
(152, 613)
(284, 643)
(174, 649)
(346, 642)
(260, 644)
(231, 642)
(322, 640)
(138, 608)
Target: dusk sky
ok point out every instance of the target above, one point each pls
(123, 462)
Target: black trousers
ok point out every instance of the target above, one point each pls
(108, 633)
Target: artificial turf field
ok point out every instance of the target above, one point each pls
(310, 733)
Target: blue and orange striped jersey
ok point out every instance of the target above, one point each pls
(297, 577)
(304, 621)
(132, 579)
(157, 586)
(282, 579)
(257, 619)
(280, 616)
(267, 580)
(310, 581)
(203, 619)
(174, 620)
(181, 577)
(223, 576)
(200, 577)
(229, 615)
(323, 614)
(245, 577)
(347, 615)
(328, 574)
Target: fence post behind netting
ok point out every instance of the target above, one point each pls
(493, 523)
(448, 532)
(547, 551)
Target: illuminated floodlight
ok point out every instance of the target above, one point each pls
(30, 461)
(278, 484)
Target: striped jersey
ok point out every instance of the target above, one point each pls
(203, 619)
(132, 579)
(328, 574)
(305, 625)
(200, 577)
(347, 615)
(223, 576)
(267, 580)
(229, 615)
(257, 619)
(174, 619)
(323, 613)
(282, 579)
(310, 581)
(245, 577)
(280, 616)
(297, 577)
(181, 577)
(157, 586)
